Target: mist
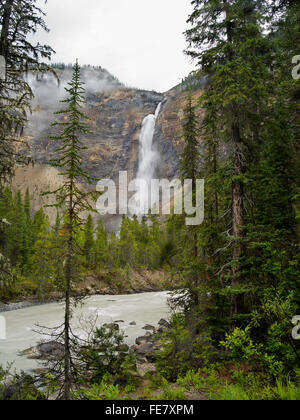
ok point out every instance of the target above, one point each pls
(49, 92)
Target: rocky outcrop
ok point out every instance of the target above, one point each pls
(44, 351)
(141, 281)
(136, 282)
(146, 347)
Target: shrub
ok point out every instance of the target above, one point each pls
(107, 354)
(104, 391)
(182, 351)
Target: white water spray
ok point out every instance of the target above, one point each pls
(148, 162)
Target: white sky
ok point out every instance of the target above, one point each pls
(139, 41)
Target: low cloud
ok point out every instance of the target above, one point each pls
(48, 92)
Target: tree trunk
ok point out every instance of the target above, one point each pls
(196, 283)
(68, 378)
(237, 211)
(237, 185)
(5, 28)
(67, 382)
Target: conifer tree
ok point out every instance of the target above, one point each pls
(18, 249)
(226, 40)
(70, 196)
(190, 161)
(27, 207)
(42, 260)
(18, 20)
(190, 156)
(101, 246)
(88, 246)
(57, 224)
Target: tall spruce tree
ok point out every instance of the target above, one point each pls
(226, 40)
(189, 167)
(70, 196)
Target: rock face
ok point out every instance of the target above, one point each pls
(116, 114)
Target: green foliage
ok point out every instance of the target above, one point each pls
(238, 384)
(257, 392)
(107, 354)
(182, 350)
(190, 154)
(37, 249)
(202, 380)
(170, 393)
(88, 245)
(242, 347)
(103, 391)
(276, 356)
(32, 246)
(245, 270)
(18, 387)
(18, 22)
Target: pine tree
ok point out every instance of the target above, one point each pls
(190, 156)
(235, 56)
(42, 260)
(57, 224)
(101, 246)
(18, 20)
(128, 243)
(39, 220)
(70, 196)
(27, 207)
(88, 246)
(18, 245)
(190, 161)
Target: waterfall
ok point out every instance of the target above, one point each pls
(148, 161)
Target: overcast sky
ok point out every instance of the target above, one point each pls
(139, 41)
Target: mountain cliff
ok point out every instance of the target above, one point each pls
(116, 114)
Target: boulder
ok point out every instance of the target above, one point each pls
(149, 328)
(164, 324)
(146, 350)
(44, 351)
(141, 359)
(89, 290)
(146, 368)
(134, 348)
(140, 340)
(133, 323)
(144, 339)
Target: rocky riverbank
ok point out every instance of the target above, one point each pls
(144, 349)
(105, 283)
(146, 346)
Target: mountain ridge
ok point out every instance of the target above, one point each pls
(116, 114)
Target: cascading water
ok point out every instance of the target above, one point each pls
(148, 162)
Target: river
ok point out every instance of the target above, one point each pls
(144, 308)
